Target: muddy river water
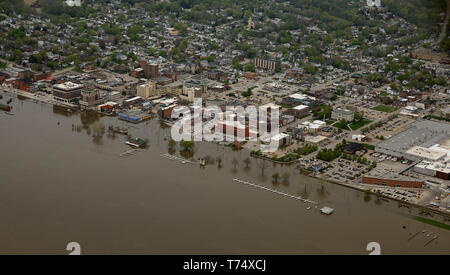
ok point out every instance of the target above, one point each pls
(62, 180)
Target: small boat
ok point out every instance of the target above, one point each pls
(308, 208)
(6, 108)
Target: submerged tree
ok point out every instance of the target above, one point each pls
(247, 162)
(286, 177)
(275, 177)
(262, 165)
(187, 145)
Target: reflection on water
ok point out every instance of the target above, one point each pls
(187, 154)
(63, 111)
(89, 117)
(304, 193)
(322, 192)
(367, 197)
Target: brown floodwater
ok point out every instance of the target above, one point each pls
(62, 180)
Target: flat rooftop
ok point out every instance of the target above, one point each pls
(441, 166)
(68, 86)
(422, 133)
(426, 153)
(381, 173)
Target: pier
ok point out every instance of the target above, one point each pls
(129, 153)
(274, 191)
(177, 159)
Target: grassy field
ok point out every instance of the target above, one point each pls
(385, 108)
(354, 125)
(433, 223)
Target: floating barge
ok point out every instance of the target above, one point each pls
(118, 130)
(6, 108)
(134, 116)
(136, 142)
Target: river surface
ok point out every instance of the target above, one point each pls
(60, 184)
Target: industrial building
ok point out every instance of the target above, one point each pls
(439, 170)
(300, 99)
(386, 178)
(134, 116)
(415, 142)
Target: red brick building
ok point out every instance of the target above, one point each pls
(392, 181)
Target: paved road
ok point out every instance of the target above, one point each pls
(444, 30)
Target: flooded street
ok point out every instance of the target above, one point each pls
(63, 180)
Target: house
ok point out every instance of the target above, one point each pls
(352, 148)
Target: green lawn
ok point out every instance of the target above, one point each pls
(355, 125)
(341, 125)
(385, 108)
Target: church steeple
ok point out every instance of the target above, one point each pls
(251, 24)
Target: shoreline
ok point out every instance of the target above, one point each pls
(418, 206)
(415, 205)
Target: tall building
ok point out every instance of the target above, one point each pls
(147, 90)
(266, 64)
(251, 24)
(90, 98)
(150, 70)
(67, 92)
(193, 89)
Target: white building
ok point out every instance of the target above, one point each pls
(374, 3)
(147, 90)
(342, 114)
(73, 3)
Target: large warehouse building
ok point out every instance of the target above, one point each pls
(425, 142)
(414, 143)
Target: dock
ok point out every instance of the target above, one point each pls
(177, 159)
(327, 210)
(274, 191)
(129, 153)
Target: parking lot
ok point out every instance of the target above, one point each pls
(345, 170)
(391, 127)
(406, 195)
